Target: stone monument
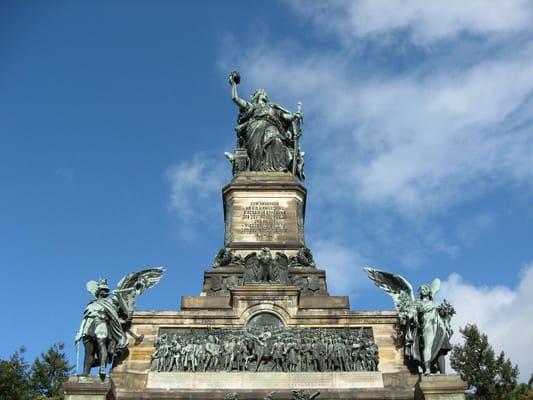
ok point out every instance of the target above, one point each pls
(265, 325)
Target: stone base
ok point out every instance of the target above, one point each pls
(441, 387)
(264, 209)
(87, 388)
(363, 385)
(217, 280)
(237, 381)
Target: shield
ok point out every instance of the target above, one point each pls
(216, 283)
(313, 283)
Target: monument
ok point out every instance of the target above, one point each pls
(265, 325)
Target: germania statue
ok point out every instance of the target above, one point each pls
(106, 319)
(267, 134)
(425, 323)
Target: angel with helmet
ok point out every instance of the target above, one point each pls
(106, 319)
(425, 323)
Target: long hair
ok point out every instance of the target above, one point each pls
(427, 288)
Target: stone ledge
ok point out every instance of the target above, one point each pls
(86, 387)
(260, 180)
(324, 302)
(367, 394)
(441, 387)
(336, 317)
(264, 380)
(274, 289)
(205, 302)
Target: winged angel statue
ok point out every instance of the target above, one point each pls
(425, 323)
(106, 319)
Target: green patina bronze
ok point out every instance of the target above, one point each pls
(425, 323)
(267, 134)
(106, 319)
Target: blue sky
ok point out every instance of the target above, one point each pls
(114, 117)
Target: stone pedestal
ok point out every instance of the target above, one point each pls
(264, 209)
(225, 340)
(87, 388)
(441, 387)
(266, 381)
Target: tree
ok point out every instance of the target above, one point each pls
(493, 377)
(43, 380)
(522, 392)
(49, 371)
(14, 378)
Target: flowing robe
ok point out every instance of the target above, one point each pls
(101, 322)
(432, 333)
(266, 137)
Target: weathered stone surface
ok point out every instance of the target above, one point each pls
(441, 387)
(205, 302)
(325, 302)
(218, 281)
(264, 210)
(86, 388)
(265, 380)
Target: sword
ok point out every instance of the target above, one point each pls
(297, 134)
(77, 357)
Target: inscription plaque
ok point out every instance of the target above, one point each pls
(264, 209)
(265, 220)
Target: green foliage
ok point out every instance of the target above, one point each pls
(19, 381)
(495, 378)
(49, 371)
(14, 378)
(522, 392)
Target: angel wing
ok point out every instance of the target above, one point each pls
(280, 268)
(141, 280)
(435, 286)
(282, 259)
(251, 268)
(395, 285)
(132, 285)
(92, 287)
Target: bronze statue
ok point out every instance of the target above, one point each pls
(263, 268)
(106, 319)
(266, 348)
(268, 132)
(426, 324)
(301, 395)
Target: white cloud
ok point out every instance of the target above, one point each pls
(503, 313)
(343, 266)
(426, 22)
(195, 187)
(416, 142)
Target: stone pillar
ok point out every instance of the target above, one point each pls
(441, 387)
(264, 209)
(86, 388)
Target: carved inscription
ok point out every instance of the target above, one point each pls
(264, 220)
(271, 221)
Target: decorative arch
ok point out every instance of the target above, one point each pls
(271, 308)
